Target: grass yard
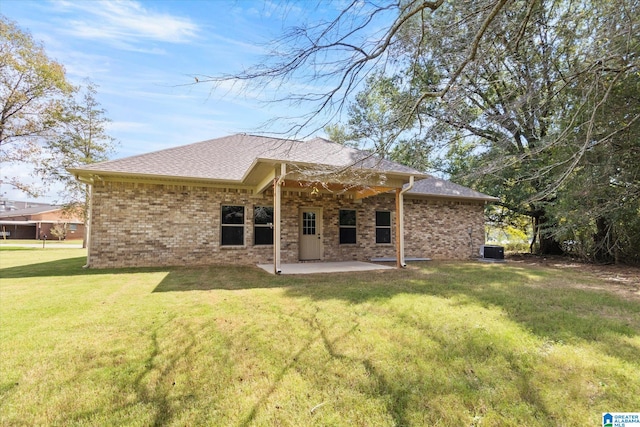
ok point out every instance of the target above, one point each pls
(438, 344)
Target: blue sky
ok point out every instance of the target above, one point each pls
(143, 56)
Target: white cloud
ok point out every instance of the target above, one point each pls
(81, 65)
(24, 174)
(125, 24)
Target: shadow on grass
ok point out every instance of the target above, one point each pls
(229, 278)
(547, 302)
(155, 378)
(178, 279)
(66, 267)
(543, 300)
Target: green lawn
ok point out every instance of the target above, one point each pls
(439, 344)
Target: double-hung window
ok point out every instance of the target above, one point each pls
(232, 226)
(263, 225)
(383, 227)
(347, 226)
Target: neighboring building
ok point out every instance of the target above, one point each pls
(250, 199)
(29, 220)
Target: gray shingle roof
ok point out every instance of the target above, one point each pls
(442, 188)
(230, 158)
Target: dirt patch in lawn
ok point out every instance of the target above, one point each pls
(622, 280)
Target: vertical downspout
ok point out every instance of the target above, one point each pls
(87, 226)
(277, 209)
(400, 221)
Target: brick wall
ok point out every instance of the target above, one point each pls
(156, 225)
(443, 229)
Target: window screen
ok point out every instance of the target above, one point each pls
(347, 226)
(383, 227)
(263, 225)
(232, 226)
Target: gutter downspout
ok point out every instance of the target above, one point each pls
(277, 207)
(400, 221)
(87, 225)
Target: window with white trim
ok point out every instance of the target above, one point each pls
(347, 226)
(263, 225)
(232, 225)
(383, 227)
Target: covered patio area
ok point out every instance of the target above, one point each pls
(324, 267)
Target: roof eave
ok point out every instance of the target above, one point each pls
(91, 173)
(454, 197)
(398, 174)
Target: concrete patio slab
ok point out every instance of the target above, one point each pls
(325, 267)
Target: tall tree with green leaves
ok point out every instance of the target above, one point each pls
(538, 117)
(599, 203)
(33, 88)
(513, 89)
(521, 118)
(377, 122)
(373, 115)
(81, 139)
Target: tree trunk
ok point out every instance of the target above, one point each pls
(544, 229)
(602, 241)
(534, 223)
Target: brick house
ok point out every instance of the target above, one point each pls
(246, 199)
(35, 221)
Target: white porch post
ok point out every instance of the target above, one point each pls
(277, 217)
(399, 239)
(87, 225)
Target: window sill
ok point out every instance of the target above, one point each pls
(233, 246)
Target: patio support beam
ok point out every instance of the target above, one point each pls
(398, 228)
(277, 217)
(365, 192)
(265, 182)
(88, 227)
(400, 261)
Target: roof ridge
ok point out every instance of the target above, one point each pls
(230, 157)
(181, 147)
(325, 140)
(162, 150)
(264, 136)
(442, 187)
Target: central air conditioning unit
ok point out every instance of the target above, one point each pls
(492, 252)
